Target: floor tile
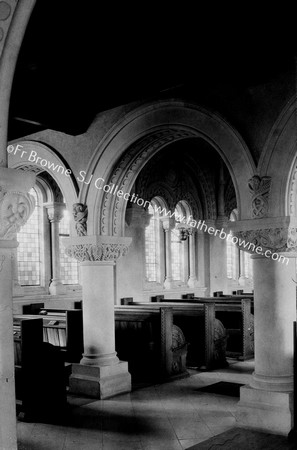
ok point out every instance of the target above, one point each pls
(171, 416)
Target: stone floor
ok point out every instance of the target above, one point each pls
(175, 415)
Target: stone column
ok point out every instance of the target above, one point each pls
(55, 214)
(16, 206)
(17, 288)
(100, 374)
(266, 404)
(192, 281)
(168, 225)
(218, 256)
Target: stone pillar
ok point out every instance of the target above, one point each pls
(168, 225)
(131, 270)
(55, 214)
(16, 206)
(100, 374)
(192, 281)
(266, 404)
(16, 287)
(218, 257)
(203, 263)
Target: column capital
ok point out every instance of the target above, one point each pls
(55, 211)
(97, 248)
(168, 223)
(137, 216)
(278, 234)
(16, 205)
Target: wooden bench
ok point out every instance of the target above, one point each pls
(202, 330)
(39, 373)
(236, 314)
(154, 347)
(62, 328)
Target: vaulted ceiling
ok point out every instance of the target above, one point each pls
(80, 58)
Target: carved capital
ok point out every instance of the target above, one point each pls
(277, 240)
(55, 211)
(80, 215)
(259, 188)
(15, 210)
(97, 248)
(137, 216)
(277, 234)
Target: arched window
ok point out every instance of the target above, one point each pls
(29, 252)
(68, 266)
(35, 253)
(152, 245)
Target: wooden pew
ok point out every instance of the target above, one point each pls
(236, 314)
(39, 373)
(153, 346)
(204, 333)
(62, 328)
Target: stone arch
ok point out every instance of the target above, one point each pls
(278, 160)
(66, 183)
(14, 17)
(125, 150)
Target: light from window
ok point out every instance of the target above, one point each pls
(232, 254)
(247, 264)
(28, 252)
(68, 266)
(232, 260)
(152, 247)
(176, 256)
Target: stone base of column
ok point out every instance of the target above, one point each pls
(100, 382)
(57, 288)
(263, 410)
(168, 283)
(192, 282)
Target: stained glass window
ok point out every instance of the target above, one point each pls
(29, 251)
(152, 246)
(68, 266)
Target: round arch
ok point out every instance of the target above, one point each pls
(278, 160)
(125, 150)
(64, 181)
(14, 18)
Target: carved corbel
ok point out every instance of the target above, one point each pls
(15, 209)
(80, 215)
(259, 188)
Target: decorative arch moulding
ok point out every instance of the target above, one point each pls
(146, 132)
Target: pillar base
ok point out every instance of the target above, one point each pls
(100, 382)
(57, 288)
(267, 411)
(192, 282)
(168, 283)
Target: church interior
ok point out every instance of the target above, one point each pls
(148, 228)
